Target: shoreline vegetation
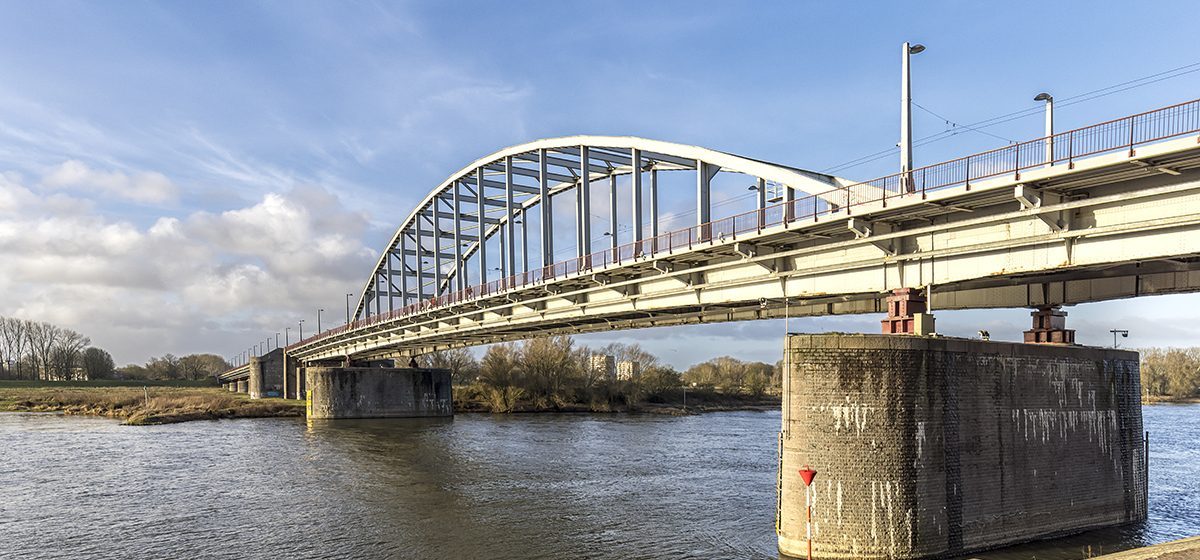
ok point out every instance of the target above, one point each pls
(141, 404)
(548, 374)
(151, 405)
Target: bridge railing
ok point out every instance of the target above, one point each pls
(1123, 134)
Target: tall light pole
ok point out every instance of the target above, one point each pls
(906, 157)
(319, 312)
(277, 340)
(1123, 333)
(348, 307)
(287, 336)
(301, 329)
(1049, 99)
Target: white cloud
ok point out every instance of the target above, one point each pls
(145, 187)
(199, 282)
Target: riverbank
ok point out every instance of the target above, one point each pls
(480, 399)
(136, 404)
(1183, 549)
(144, 404)
(1170, 400)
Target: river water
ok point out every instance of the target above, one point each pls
(478, 486)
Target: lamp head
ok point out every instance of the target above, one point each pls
(1044, 97)
(916, 49)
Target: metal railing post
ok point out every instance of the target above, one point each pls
(1131, 121)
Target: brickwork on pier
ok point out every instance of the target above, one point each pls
(932, 446)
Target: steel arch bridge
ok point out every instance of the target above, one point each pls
(428, 256)
(1085, 215)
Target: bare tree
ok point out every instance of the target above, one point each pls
(43, 337)
(463, 366)
(9, 354)
(201, 366)
(66, 354)
(549, 364)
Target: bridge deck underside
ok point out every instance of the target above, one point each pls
(1114, 226)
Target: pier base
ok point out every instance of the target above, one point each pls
(376, 392)
(929, 447)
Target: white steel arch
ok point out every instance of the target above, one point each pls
(487, 196)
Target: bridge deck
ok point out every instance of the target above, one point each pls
(1120, 220)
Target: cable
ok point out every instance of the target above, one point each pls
(956, 125)
(1022, 113)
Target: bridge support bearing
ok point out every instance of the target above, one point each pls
(906, 309)
(933, 447)
(378, 392)
(1050, 327)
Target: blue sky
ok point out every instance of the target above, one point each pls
(193, 176)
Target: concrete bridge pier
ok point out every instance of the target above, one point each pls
(928, 446)
(243, 386)
(339, 391)
(256, 378)
(292, 378)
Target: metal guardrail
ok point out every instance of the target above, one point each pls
(1125, 133)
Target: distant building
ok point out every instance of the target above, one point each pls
(628, 371)
(604, 366)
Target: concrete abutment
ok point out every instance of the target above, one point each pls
(377, 392)
(930, 446)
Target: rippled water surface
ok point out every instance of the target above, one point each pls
(478, 486)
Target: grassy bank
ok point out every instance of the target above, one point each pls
(138, 405)
(482, 398)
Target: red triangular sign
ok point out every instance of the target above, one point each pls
(808, 475)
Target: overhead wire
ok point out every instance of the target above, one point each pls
(1019, 114)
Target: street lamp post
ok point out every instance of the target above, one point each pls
(906, 157)
(287, 336)
(1115, 332)
(301, 329)
(277, 340)
(319, 312)
(1049, 99)
(348, 307)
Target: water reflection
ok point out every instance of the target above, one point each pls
(520, 486)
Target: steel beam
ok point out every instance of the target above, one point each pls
(704, 174)
(437, 254)
(583, 210)
(509, 238)
(420, 238)
(481, 212)
(403, 269)
(524, 242)
(547, 208)
(636, 191)
(653, 202)
(458, 246)
(391, 299)
(612, 210)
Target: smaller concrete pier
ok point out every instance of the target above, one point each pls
(377, 392)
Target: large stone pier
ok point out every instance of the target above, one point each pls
(377, 392)
(928, 447)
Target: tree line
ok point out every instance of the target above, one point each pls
(33, 350)
(38, 350)
(555, 372)
(1171, 372)
(191, 367)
